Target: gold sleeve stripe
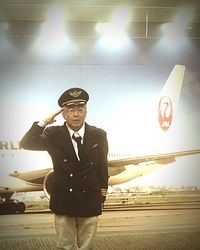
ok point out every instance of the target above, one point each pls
(103, 192)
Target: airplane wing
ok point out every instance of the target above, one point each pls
(165, 158)
(36, 176)
(123, 170)
(115, 166)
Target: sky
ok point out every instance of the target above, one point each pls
(123, 87)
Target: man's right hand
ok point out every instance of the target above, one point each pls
(51, 118)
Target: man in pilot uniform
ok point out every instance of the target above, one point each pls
(79, 155)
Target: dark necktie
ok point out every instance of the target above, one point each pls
(79, 145)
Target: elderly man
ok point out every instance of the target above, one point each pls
(79, 155)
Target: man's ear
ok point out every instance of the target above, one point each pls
(63, 113)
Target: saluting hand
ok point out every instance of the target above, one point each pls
(51, 118)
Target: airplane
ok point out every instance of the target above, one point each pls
(121, 168)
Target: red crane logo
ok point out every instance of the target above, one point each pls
(165, 113)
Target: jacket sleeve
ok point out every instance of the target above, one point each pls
(103, 170)
(35, 139)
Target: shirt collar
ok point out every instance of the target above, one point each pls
(81, 131)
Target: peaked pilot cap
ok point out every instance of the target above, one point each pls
(73, 96)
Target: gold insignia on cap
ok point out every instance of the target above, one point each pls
(75, 93)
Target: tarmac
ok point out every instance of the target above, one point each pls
(118, 230)
(112, 241)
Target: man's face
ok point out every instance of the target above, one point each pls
(75, 115)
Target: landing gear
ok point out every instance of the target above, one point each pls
(11, 206)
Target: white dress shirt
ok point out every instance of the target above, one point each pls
(81, 133)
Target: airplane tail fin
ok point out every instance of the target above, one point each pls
(169, 97)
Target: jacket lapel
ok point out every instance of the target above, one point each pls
(67, 145)
(89, 141)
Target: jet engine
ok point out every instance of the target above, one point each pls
(47, 183)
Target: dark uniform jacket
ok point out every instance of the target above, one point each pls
(77, 185)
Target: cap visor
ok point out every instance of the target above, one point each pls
(74, 102)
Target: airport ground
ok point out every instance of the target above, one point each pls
(164, 225)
